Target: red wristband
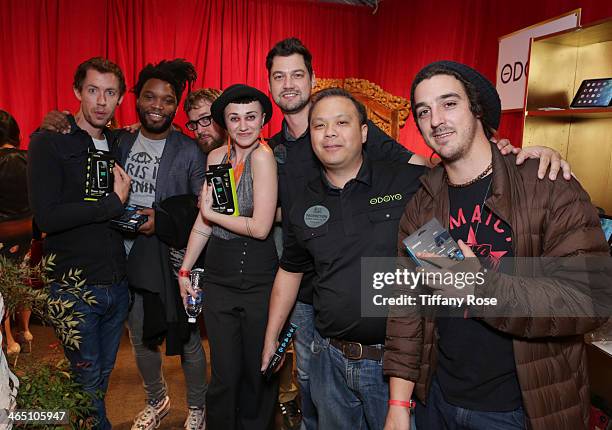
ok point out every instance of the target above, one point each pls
(184, 273)
(403, 403)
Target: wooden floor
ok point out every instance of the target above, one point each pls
(125, 396)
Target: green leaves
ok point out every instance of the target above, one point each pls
(16, 281)
(60, 311)
(51, 386)
(46, 385)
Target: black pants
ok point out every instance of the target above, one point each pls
(237, 294)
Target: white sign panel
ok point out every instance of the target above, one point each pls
(513, 57)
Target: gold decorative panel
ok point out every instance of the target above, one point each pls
(387, 111)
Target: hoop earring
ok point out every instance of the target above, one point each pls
(431, 157)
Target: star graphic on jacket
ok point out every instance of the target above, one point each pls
(493, 258)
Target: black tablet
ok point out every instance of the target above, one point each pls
(593, 93)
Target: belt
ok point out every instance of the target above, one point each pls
(357, 351)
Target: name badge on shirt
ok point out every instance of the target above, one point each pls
(280, 153)
(316, 216)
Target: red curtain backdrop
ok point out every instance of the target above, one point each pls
(42, 42)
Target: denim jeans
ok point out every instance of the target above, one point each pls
(348, 394)
(441, 415)
(303, 317)
(100, 332)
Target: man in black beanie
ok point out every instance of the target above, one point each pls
(506, 372)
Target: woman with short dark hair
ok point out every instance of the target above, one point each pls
(240, 265)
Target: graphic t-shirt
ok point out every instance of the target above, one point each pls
(476, 367)
(142, 165)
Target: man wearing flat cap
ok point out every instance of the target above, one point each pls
(509, 372)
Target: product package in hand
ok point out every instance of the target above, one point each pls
(284, 339)
(434, 239)
(221, 178)
(194, 305)
(99, 177)
(130, 221)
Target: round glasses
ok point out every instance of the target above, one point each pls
(205, 121)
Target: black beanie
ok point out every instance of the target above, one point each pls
(486, 93)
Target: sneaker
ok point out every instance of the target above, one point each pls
(196, 419)
(150, 417)
(292, 415)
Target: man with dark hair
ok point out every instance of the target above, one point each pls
(286, 48)
(329, 227)
(177, 73)
(481, 99)
(163, 163)
(197, 107)
(101, 65)
(78, 231)
(362, 114)
(478, 371)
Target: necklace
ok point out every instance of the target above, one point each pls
(482, 208)
(470, 182)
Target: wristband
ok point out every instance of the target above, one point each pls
(184, 273)
(403, 403)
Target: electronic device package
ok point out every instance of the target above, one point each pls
(225, 199)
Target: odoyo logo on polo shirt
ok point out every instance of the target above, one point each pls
(385, 199)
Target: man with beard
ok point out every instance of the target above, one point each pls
(78, 231)
(525, 368)
(164, 163)
(197, 107)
